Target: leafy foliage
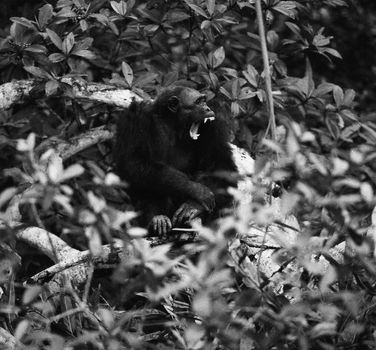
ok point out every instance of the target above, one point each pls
(210, 293)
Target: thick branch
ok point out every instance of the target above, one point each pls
(67, 149)
(47, 243)
(15, 91)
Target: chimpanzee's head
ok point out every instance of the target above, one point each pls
(188, 105)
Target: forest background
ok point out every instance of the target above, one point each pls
(310, 287)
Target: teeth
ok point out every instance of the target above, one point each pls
(209, 119)
(193, 131)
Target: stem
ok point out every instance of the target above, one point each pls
(268, 80)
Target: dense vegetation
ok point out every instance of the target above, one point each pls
(309, 286)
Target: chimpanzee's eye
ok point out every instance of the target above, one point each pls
(200, 100)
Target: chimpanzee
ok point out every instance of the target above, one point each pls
(174, 154)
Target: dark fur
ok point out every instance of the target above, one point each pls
(163, 165)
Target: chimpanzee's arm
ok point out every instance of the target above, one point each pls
(165, 180)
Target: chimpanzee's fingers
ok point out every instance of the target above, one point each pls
(169, 225)
(159, 226)
(175, 218)
(164, 226)
(155, 226)
(181, 218)
(193, 214)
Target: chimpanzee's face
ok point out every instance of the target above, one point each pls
(194, 110)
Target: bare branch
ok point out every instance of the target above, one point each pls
(47, 243)
(15, 91)
(76, 259)
(67, 149)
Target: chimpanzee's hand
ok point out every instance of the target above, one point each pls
(186, 213)
(160, 225)
(204, 196)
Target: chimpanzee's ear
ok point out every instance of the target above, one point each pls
(173, 104)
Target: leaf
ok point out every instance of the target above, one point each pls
(170, 78)
(174, 16)
(338, 3)
(145, 79)
(287, 8)
(84, 25)
(127, 72)
(328, 279)
(87, 217)
(119, 7)
(246, 93)
(348, 114)
(338, 96)
(100, 18)
(55, 169)
(95, 241)
(210, 5)
(366, 191)
(89, 55)
(23, 21)
(340, 166)
(56, 57)
(318, 163)
(44, 16)
(106, 316)
(111, 179)
(202, 304)
(74, 170)
(31, 293)
(251, 75)
(196, 9)
(213, 80)
(56, 40)
(68, 43)
(66, 12)
(7, 195)
(38, 72)
(333, 127)
(36, 48)
(323, 89)
(323, 329)
(51, 87)
(84, 44)
(219, 56)
(235, 109)
(332, 52)
(205, 25)
(150, 29)
(98, 204)
(194, 337)
(225, 92)
(235, 88)
(28, 144)
(114, 28)
(295, 29)
(321, 40)
(137, 232)
(21, 329)
(349, 97)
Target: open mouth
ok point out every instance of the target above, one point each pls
(193, 131)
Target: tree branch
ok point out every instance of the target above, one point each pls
(15, 92)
